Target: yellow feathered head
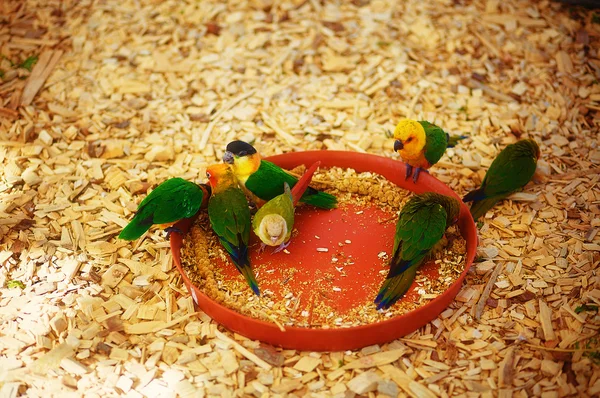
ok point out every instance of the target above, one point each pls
(410, 138)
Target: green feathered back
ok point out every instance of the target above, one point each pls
(172, 200)
(512, 169)
(267, 182)
(230, 219)
(421, 224)
(230, 216)
(436, 142)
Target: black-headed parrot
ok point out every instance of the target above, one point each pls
(274, 221)
(264, 180)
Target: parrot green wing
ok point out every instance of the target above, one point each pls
(267, 182)
(436, 142)
(163, 188)
(508, 173)
(182, 202)
(419, 230)
(230, 219)
(420, 226)
(512, 169)
(230, 216)
(171, 201)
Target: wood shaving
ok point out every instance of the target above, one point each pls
(127, 104)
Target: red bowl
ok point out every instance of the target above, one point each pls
(351, 338)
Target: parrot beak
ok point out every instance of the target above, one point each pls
(274, 238)
(398, 145)
(228, 157)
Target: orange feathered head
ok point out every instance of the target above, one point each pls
(220, 176)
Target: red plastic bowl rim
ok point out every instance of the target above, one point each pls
(176, 242)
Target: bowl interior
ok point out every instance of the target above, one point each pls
(315, 272)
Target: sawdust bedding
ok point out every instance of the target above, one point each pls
(125, 94)
(291, 307)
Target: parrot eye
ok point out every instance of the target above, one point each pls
(208, 174)
(242, 153)
(409, 140)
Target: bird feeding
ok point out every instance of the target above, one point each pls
(338, 338)
(426, 223)
(321, 281)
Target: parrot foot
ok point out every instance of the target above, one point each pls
(262, 247)
(253, 207)
(409, 170)
(417, 171)
(170, 230)
(281, 247)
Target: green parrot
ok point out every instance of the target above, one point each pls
(421, 225)
(230, 219)
(421, 145)
(171, 201)
(274, 221)
(264, 180)
(512, 169)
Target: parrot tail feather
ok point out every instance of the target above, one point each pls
(387, 296)
(480, 207)
(136, 227)
(302, 185)
(248, 274)
(382, 291)
(395, 288)
(477, 194)
(453, 139)
(239, 256)
(319, 199)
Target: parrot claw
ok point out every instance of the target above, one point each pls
(409, 170)
(417, 171)
(281, 247)
(170, 230)
(262, 247)
(253, 207)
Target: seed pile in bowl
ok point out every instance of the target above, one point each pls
(317, 301)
